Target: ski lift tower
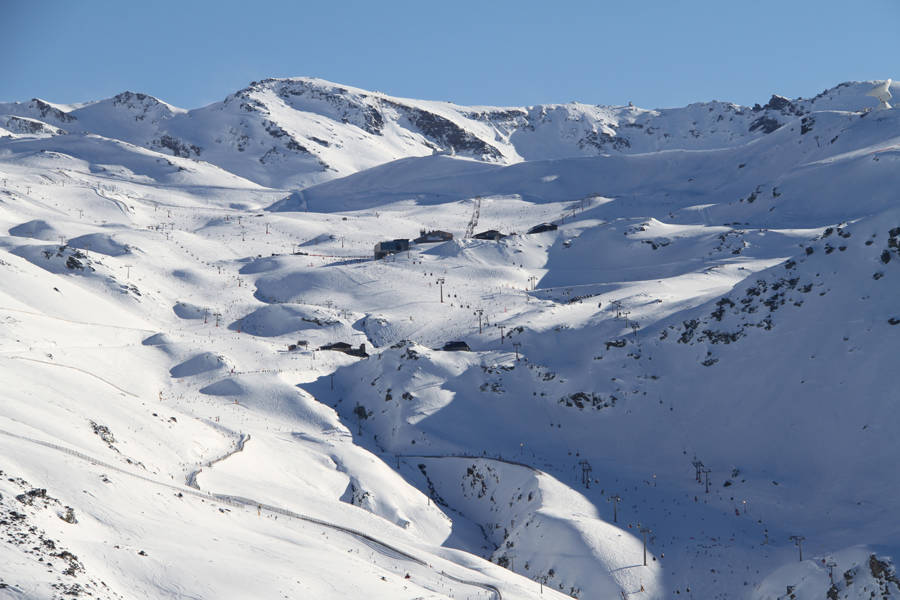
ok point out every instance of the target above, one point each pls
(615, 500)
(706, 471)
(645, 531)
(831, 565)
(798, 541)
(585, 473)
(698, 465)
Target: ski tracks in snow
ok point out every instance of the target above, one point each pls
(383, 548)
(79, 369)
(191, 479)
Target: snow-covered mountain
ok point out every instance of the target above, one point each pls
(678, 389)
(294, 132)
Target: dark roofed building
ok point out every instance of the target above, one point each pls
(346, 349)
(339, 346)
(490, 234)
(360, 352)
(543, 227)
(431, 237)
(456, 347)
(383, 249)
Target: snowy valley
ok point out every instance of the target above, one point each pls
(674, 379)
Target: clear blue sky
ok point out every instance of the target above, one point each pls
(655, 53)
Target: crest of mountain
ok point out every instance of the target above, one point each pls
(293, 133)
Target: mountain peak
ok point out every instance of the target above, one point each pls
(48, 109)
(137, 101)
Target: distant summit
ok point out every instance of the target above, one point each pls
(296, 132)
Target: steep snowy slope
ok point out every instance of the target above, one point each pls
(750, 182)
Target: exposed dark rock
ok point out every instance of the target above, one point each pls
(777, 102)
(46, 109)
(177, 147)
(602, 141)
(806, 125)
(766, 124)
(103, 432)
(447, 134)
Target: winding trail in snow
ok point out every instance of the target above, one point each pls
(79, 369)
(191, 479)
(382, 547)
(121, 205)
(39, 314)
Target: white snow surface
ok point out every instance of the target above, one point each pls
(699, 355)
